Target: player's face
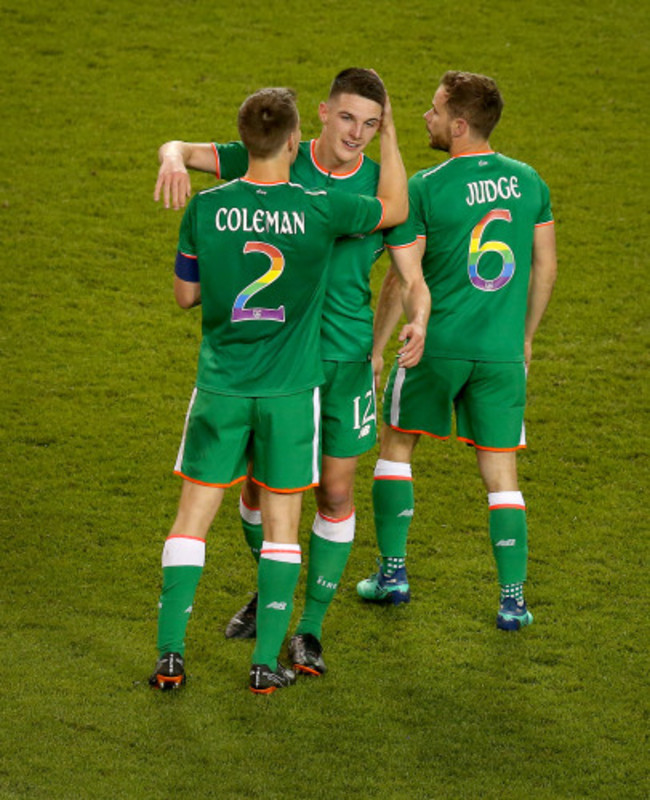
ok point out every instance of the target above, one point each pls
(349, 123)
(438, 122)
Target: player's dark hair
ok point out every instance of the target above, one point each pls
(474, 98)
(266, 119)
(363, 82)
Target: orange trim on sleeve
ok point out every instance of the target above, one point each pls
(383, 213)
(400, 246)
(217, 165)
(544, 224)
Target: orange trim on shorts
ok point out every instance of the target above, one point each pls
(339, 519)
(492, 449)
(283, 491)
(211, 485)
(424, 433)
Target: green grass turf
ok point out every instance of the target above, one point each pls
(424, 701)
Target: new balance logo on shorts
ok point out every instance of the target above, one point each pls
(277, 606)
(506, 543)
(408, 512)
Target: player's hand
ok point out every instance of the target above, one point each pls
(377, 370)
(174, 183)
(413, 335)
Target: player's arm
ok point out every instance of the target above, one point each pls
(175, 159)
(542, 279)
(403, 290)
(392, 188)
(187, 293)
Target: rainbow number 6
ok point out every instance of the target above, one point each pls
(240, 313)
(476, 250)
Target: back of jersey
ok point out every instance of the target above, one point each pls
(478, 214)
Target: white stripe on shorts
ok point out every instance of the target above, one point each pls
(315, 448)
(181, 449)
(397, 395)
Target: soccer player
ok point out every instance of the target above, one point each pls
(486, 235)
(254, 253)
(350, 118)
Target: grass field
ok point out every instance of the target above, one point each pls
(425, 701)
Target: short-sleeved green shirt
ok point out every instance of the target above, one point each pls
(347, 316)
(262, 252)
(478, 214)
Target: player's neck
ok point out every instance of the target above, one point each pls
(268, 170)
(467, 147)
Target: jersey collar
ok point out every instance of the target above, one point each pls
(338, 175)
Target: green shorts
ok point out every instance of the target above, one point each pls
(488, 397)
(280, 434)
(348, 408)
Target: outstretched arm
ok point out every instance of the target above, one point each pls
(542, 279)
(176, 158)
(392, 189)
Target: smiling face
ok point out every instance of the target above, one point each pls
(439, 122)
(349, 123)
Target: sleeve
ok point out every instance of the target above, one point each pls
(187, 263)
(232, 160)
(354, 213)
(416, 215)
(400, 236)
(545, 214)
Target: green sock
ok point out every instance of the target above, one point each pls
(393, 502)
(329, 549)
(251, 521)
(509, 536)
(276, 583)
(514, 590)
(175, 606)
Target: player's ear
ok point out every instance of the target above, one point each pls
(459, 127)
(323, 111)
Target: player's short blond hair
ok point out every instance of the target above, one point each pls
(266, 119)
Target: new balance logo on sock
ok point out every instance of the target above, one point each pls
(277, 606)
(188, 610)
(327, 584)
(408, 512)
(506, 543)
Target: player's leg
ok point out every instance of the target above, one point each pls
(330, 543)
(393, 503)
(286, 461)
(242, 625)
(349, 428)
(508, 534)
(209, 463)
(183, 559)
(490, 416)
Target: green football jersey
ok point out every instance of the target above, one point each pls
(478, 214)
(262, 253)
(347, 316)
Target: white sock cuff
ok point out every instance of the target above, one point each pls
(279, 551)
(183, 551)
(392, 469)
(251, 515)
(506, 500)
(339, 531)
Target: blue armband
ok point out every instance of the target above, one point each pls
(187, 267)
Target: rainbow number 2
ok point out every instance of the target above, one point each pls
(476, 250)
(240, 313)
